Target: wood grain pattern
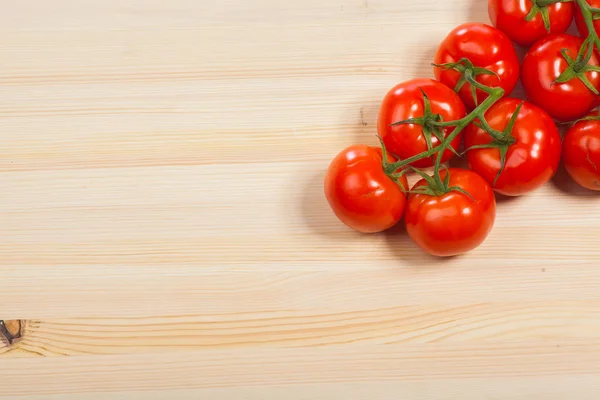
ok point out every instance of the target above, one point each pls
(165, 235)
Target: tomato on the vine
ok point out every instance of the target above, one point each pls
(455, 222)
(581, 153)
(487, 48)
(530, 143)
(544, 63)
(361, 194)
(405, 101)
(580, 21)
(513, 17)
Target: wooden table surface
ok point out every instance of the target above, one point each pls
(164, 234)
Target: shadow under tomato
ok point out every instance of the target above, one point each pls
(404, 249)
(503, 199)
(315, 210)
(563, 182)
(458, 162)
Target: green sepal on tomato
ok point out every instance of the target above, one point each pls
(565, 96)
(524, 155)
(361, 193)
(526, 21)
(418, 99)
(493, 58)
(581, 152)
(454, 222)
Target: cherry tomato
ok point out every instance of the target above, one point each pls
(509, 17)
(360, 193)
(453, 223)
(405, 101)
(531, 161)
(581, 153)
(486, 47)
(581, 27)
(543, 64)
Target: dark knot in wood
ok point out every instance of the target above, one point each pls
(11, 330)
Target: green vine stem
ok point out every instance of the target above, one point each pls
(469, 73)
(494, 94)
(580, 65)
(546, 3)
(589, 13)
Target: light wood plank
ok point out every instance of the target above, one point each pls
(332, 368)
(498, 322)
(164, 231)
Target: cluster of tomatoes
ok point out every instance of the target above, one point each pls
(512, 146)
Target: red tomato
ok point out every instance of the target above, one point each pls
(509, 17)
(360, 193)
(405, 101)
(581, 153)
(453, 223)
(486, 47)
(581, 27)
(543, 64)
(531, 161)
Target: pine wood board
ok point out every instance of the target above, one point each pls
(165, 235)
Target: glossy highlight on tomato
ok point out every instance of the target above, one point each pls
(453, 223)
(531, 161)
(509, 16)
(581, 153)
(360, 193)
(405, 101)
(543, 64)
(486, 47)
